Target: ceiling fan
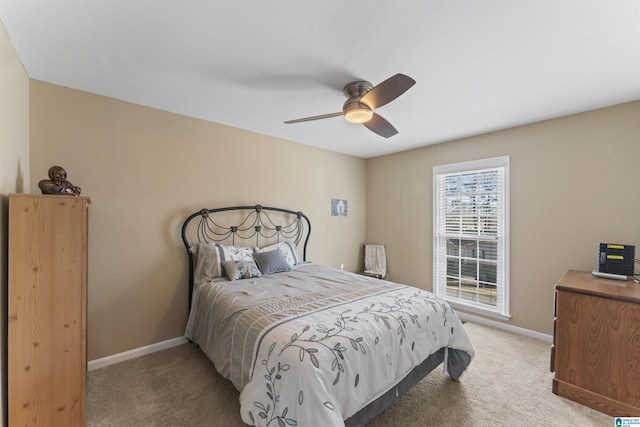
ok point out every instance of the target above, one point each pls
(363, 98)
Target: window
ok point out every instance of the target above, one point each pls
(471, 239)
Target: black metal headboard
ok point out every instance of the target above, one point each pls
(252, 226)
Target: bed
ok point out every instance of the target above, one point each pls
(306, 344)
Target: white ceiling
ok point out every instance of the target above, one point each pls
(480, 65)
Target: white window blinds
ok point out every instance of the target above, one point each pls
(471, 235)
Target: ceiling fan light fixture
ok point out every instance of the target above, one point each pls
(358, 115)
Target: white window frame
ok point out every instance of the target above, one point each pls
(502, 308)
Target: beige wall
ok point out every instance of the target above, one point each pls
(145, 171)
(14, 163)
(574, 183)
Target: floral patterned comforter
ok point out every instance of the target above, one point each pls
(313, 346)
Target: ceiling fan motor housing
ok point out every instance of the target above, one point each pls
(357, 88)
(355, 111)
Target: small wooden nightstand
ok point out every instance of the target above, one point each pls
(596, 343)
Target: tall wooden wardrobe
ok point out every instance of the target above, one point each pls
(47, 316)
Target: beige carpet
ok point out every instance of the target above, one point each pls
(507, 384)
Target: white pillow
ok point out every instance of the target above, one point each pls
(207, 260)
(288, 250)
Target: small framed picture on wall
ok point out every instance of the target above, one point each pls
(338, 207)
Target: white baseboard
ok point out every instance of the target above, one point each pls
(504, 326)
(136, 352)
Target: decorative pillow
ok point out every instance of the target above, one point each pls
(207, 259)
(245, 269)
(271, 262)
(236, 253)
(288, 250)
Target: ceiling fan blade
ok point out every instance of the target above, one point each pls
(387, 91)
(381, 126)
(308, 119)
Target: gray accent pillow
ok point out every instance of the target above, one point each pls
(243, 269)
(288, 249)
(271, 262)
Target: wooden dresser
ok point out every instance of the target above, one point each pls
(47, 300)
(596, 343)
